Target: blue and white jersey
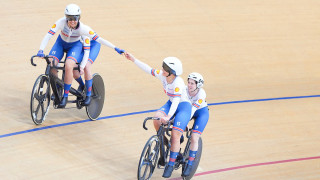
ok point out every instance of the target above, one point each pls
(69, 34)
(198, 101)
(175, 89)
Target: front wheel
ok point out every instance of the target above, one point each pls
(196, 161)
(40, 99)
(149, 158)
(97, 97)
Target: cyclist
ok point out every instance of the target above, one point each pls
(178, 104)
(69, 41)
(200, 113)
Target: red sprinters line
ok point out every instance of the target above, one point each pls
(253, 165)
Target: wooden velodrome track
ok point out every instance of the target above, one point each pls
(246, 50)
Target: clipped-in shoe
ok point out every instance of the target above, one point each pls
(87, 101)
(63, 102)
(187, 171)
(167, 171)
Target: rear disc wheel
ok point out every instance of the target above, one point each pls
(97, 97)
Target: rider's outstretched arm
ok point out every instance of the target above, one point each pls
(96, 37)
(105, 42)
(109, 44)
(145, 67)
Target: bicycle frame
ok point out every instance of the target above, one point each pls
(161, 134)
(54, 80)
(156, 145)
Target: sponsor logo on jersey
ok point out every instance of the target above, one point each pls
(158, 71)
(87, 41)
(176, 89)
(54, 26)
(91, 32)
(200, 101)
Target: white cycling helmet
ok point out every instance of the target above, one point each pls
(172, 65)
(198, 78)
(72, 12)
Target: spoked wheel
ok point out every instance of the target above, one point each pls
(97, 97)
(149, 158)
(40, 99)
(196, 161)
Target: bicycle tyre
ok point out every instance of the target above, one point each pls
(196, 161)
(40, 99)
(149, 158)
(97, 98)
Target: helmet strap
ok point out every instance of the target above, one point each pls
(195, 89)
(169, 74)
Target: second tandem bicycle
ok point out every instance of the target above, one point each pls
(157, 147)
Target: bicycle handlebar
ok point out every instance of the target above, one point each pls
(47, 57)
(148, 118)
(156, 118)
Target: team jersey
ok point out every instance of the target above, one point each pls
(198, 101)
(175, 91)
(69, 35)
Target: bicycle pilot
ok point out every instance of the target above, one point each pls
(69, 41)
(199, 112)
(178, 104)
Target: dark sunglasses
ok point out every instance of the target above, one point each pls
(167, 68)
(72, 17)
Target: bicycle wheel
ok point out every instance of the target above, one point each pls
(40, 99)
(149, 158)
(196, 161)
(97, 98)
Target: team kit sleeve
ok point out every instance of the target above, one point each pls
(145, 67)
(176, 98)
(156, 73)
(94, 36)
(55, 27)
(86, 48)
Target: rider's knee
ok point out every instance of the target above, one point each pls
(176, 135)
(157, 124)
(70, 61)
(195, 137)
